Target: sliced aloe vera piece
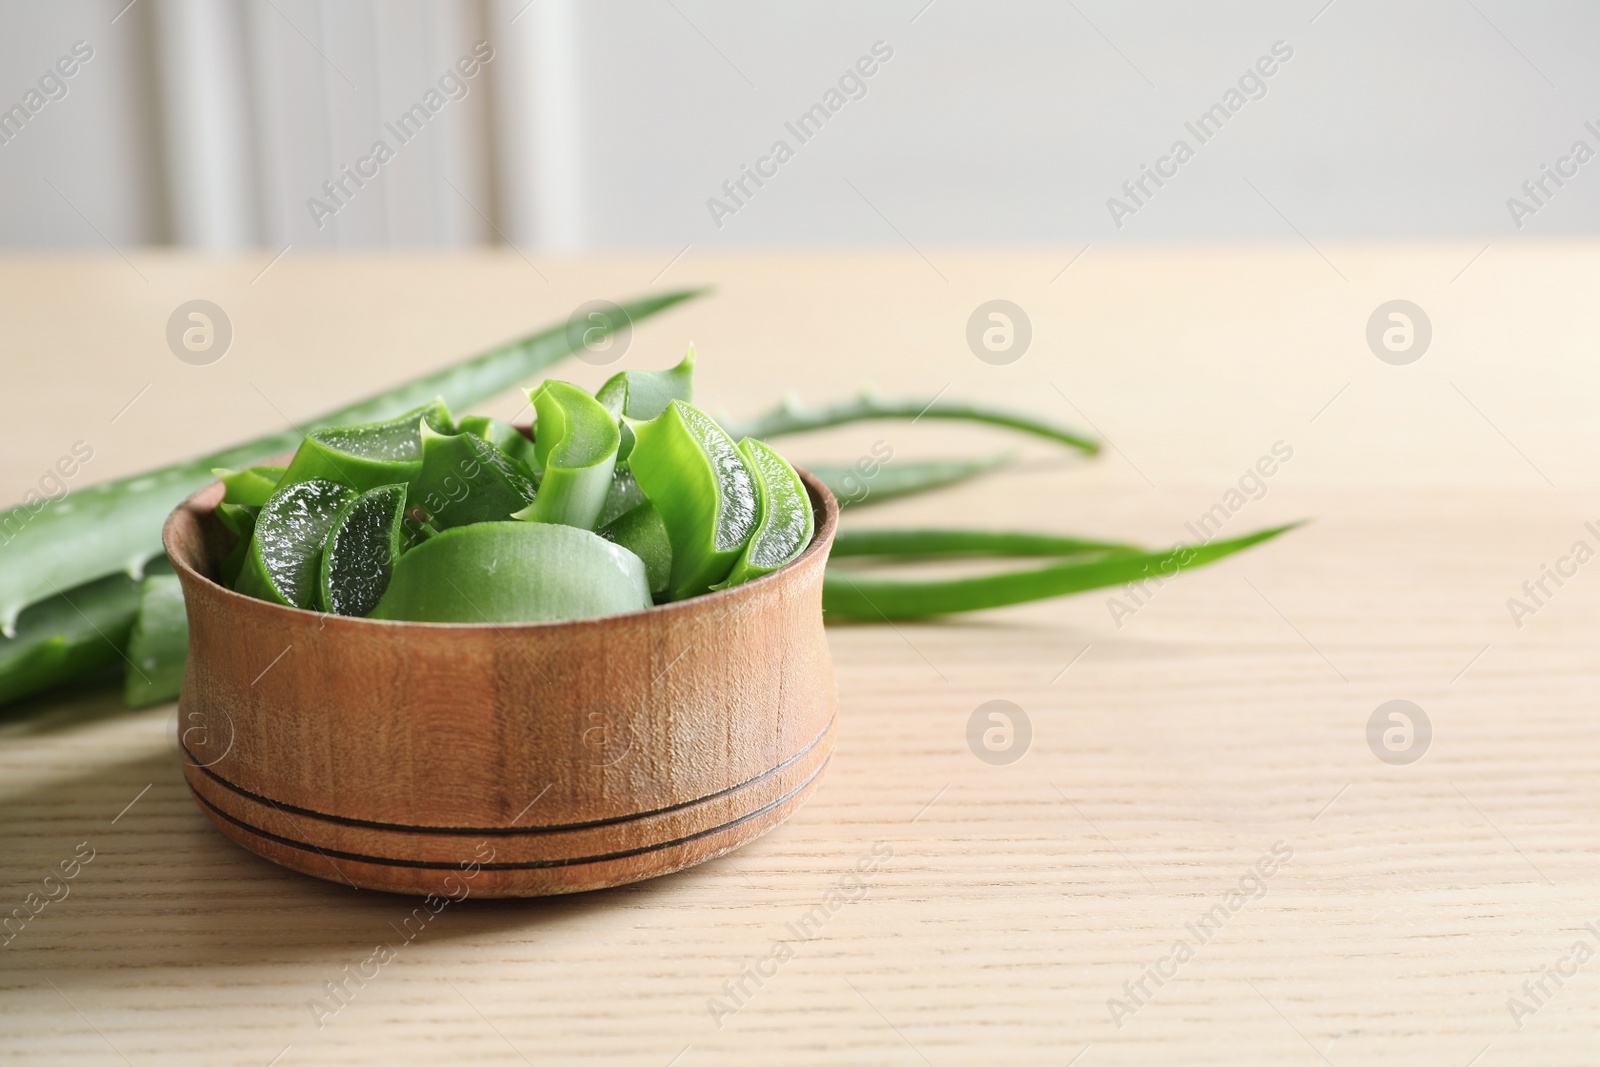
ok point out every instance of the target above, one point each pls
(241, 519)
(576, 443)
(514, 572)
(286, 550)
(645, 394)
(465, 479)
(360, 552)
(642, 532)
(158, 647)
(250, 487)
(695, 475)
(786, 523)
(504, 436)
(373, 454)
(624, 494)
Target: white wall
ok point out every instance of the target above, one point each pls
(610, 124)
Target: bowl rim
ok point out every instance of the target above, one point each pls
(825, 510)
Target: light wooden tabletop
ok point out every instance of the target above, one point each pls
(1198, 858)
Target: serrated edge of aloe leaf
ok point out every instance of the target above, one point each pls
(928, 543)
(791, 417)
(860, 597)
(461, 384)
(951, 472)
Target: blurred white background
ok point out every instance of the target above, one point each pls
(214, 123)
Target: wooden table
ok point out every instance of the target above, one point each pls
(1025, 912)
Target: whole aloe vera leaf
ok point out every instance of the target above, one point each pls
(158, 647)
(793, 417)
(116, 526)
(858, 597)
(853, 487)
(932, 544)
(852, 596)
(68, 635)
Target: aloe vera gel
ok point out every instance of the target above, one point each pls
(621, 499)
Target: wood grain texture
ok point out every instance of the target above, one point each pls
(502, 760)
(926, 906)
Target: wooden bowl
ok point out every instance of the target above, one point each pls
(502, 759)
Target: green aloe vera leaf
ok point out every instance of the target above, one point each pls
(285, 555)
(576, 441)
(158, 646)
(241, 520)
(793, 417)
(786, 523)
(251, 486)
(644, 394)
(695, 475)
(233, 563)
(854, 596)
(870, 482)
(624, 494)
(68, 635)
(932, 544)
(642, 532)
(116, 526)
(500, 572)
(504, 436)
(465, 479)
(360, 552)
(372, 454)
